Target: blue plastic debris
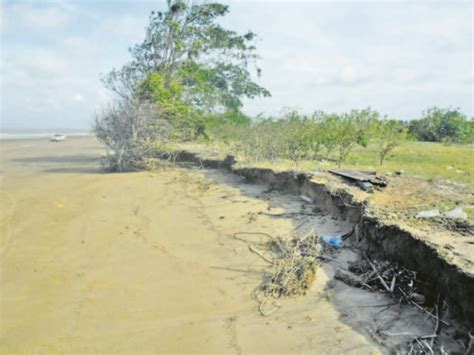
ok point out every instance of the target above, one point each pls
(334, 241)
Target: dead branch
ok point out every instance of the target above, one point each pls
(293, 265)
(407, 299)
(253, 249)
(435, 332)
(250, 233)
(392, 285)
(287, 214)
(471, 343)
(378, 274)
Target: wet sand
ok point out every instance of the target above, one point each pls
(146, 263)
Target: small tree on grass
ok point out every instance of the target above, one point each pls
(388, 135)
(295, 136)
(324, 132)
(351, 129)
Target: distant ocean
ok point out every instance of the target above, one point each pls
(16, 134)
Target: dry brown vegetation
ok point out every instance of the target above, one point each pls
(293, 263)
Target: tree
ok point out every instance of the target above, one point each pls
(388, 134)
(351, 129)
(326, 135)
(130, 128)
(186, 44)
(189, 71)
(442, 125)
(188, 123)
(296, 136)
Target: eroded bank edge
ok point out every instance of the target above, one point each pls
(388, 241)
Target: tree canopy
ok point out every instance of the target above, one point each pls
(443, 125)
(188, 47)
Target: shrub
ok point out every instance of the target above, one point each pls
(443, 125)
(348, 130)
(129, 128)
(388, 134)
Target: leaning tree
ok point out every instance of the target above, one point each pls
(186, 44)
(188, 67)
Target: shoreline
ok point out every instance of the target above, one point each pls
(146, 261)
(13, 136)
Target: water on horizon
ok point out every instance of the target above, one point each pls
(18, 134)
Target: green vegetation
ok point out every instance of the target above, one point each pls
(186, 82)
(443, 125)
(191, 71)
(388, 135)
(320, 136)
(454, 162)
(367, 142)
(186, 44)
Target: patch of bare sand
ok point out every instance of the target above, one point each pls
(141, 263)
(398, 204)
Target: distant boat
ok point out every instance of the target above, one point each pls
(58, 137)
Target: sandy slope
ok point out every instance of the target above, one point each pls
(142, 262)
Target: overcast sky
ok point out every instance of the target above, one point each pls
(397, 57)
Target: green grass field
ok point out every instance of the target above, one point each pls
(430, 160)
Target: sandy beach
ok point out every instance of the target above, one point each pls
(144, 262)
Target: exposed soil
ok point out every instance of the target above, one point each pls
(447, 278)
(442, 251)
(146, 262)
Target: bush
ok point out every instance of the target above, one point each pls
(388, 134)
(345, 131)
(297, 137)
(443, 125)
(130, 128)
(290, 137)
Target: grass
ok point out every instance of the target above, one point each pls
(435, 175)
(433, 161)
(430, 160)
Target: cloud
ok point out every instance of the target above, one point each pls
(2, 18)
(128, 26)
(57, 85)
(45, 18)
(399, 58)
(78, 98)
(51, 77)
(52, 15)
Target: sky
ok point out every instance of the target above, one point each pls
(399, 58)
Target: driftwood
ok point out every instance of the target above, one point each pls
(259, 253)
(435, 331)
(410, 301)
(471, 344)
(403, 285)
(293, 266)
(378, 275)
